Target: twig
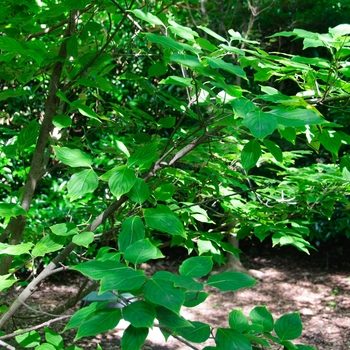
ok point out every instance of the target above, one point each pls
(6, 346)
(46, 323)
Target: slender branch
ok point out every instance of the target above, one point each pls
(6, 346)
(46, 323)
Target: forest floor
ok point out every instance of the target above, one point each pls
(317, 286)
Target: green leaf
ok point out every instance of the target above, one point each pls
(242, 107)
(100, 321)
(6, 282)
(4, 95)
(28, 340)
(250, 154)
(28, 135)
(340, 30)
(198, 332)
(45, 346)
(230, 339)
(72, 157)
(97, 269)
(274, 149)
(165, 41)
(163, 220)
(143, 155)
(206, 44)
(330, 140)
(186, 60)
(48, 244)
(260, 124)
(173, 80)
(156, 70)
(9, 44)
(11, 210)
(197, 266)
(139, 192)
(85, 110)
(141, 251)
(61, 121)
(238, 321)
(183, 32)
(228, 67)
(231, 281)
(15, 249)
(65, 229)
(213, 34)
(162, 292)
(140, 314)
(148, 17)
(132, 231)
(133, 338)
(186, 282)
(53, 338)
(85, 181)
(76, 4)
(289, 326)
(261, 316)
(83, 239)
(122, 181)
(171, 319)
(297, 117)
(164, 192)
(123, 279)
(167, 122)
(345, 167)
(288, 133)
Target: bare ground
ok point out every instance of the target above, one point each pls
(317, 286)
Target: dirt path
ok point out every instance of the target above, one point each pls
(292, 282)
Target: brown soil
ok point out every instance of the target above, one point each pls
(317, 286)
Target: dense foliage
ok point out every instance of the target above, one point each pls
(128, 129)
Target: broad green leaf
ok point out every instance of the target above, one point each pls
(147, 17)
(167, 122)
(213, 34)
(6, 282)
(231, 281)
(163, 220)
(171, 319)
(28, 135)
(122, 181)
(143, 155)
(242, 107)
(9, 44)
(139, 192)
(83, 239)
(206, 44)
(173, 80)
(45, 346)
(261, 316)
(132, 230)
(194, 298)
(53, 338)
(340, 30)
(65, 229)
(61, 121)
(162, 292)
(85, 110)
(296, 117)
(186, 60)
(288, 133)
(78, 318)
(345, 167)
(85, 181)
(72, 157)
(165, 41)
(122, 279)
(260, 124)
(120, 145)
(133, 338)
(330, 140)
(183, 32)
(48, 244)
(198, 332)
(140, 314)
(274, 149)
(230, 339)
(141, 251)
(238, 321)
(10, 210)
(97, 269)
(250, 154)
(186, 282)
(228, 67)
(101, 321)
(156, 70)
(289, 326)
(4, 95)
(15, 249)
(28, 340)
(197, 266)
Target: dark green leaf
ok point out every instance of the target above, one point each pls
(139, 192)
(143, 155)
(261, 316)
(228, 67)
(28, 340)
(122, 181)
(173, 80)
(165, 41)
(140, 314)
(250, 154)
(198, 332)
(73, 157)
(141, 251)
(260, 124)
(296, 117)
(231, 281)
(133, 338)
(85, 181)
(274, 149)
(171, 319)
(157, 70)
(289, 326)
(230, 339)
(197, 267)
(132, 231)
(238, 321)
